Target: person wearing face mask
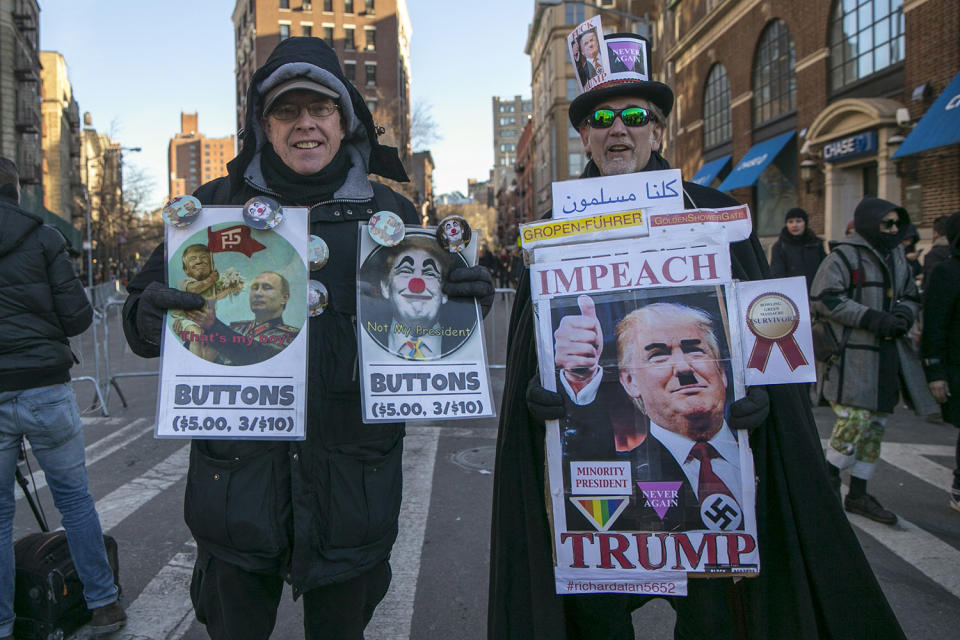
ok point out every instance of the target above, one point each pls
(798, 251)
(866, 291)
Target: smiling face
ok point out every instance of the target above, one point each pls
(269, 293)
(620, 149)
(413, 287)
(671, 370)
(305, 144)
(197, 262)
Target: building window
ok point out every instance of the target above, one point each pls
(306, 30)
(508, 120)
(572, 89)
(371, 35)
(328, 6)
(371, 74)
(506, 108)
(350, 70)
(368, 6)
(284, 4)
(371, 104)
(776, 191)
(349, 38)
(348, 6)
(576, 162)
(328, 34)
(864, 39)
(573, 134)
(284, 31)
(527, 105)
(507, 147)
(774, 81)
(573, 13)
(716, 108)
(508, 133)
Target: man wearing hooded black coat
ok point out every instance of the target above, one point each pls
(322, 513)
(814, 580)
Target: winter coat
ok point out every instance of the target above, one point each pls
(796, 255)
(326, 509)
(42, 302)
(940, 344)
(851, 280)
(939, 252)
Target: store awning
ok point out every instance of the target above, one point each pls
(710, 171)
(748, 170)
(938, 127)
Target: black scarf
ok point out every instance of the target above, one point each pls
(305, 190)
(804, 238)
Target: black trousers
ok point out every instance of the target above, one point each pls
(710, 611)
(235, 604)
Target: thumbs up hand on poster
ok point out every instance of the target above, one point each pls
(578, 343)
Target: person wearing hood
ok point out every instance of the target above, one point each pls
(939, 251)
(940, 344)
(42, 303)
(798, 251)
(808, 557)
(321, 513)
(866, 291)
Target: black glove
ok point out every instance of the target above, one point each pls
(750, 411)
(905, 315)
(885, 325)
(543, 404)
(471, 282)
(156, 299)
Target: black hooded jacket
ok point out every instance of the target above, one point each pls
(42, 302)
(814, 580)
(796, 255)
(323, 510)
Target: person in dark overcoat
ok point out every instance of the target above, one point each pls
(798, 251)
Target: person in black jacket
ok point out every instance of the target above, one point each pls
(799, 251)
(940, 344)
(939, 251)
(813, 571)
(42, 303)
(322, 513)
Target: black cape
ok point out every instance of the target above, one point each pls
(814, 580)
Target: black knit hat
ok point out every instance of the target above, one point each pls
(953, 227)
(797, 212)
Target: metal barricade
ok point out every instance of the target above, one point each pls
(495, 327)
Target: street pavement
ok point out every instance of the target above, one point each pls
(439, 588)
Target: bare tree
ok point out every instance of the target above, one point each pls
(424, 130)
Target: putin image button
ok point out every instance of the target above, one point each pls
(181, 211)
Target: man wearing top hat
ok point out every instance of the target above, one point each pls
(813, 572)
(320, 514)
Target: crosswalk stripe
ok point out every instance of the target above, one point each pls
(393, 618)
(912, 458)
(123, 501)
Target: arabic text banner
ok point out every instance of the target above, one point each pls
(647, 191)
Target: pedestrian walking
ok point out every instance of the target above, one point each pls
(42, 303)
(939, 251)
(866, 292)
(940, 344)
(798, 251)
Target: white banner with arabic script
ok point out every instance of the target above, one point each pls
(646, 190)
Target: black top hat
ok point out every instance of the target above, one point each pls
(628, 75)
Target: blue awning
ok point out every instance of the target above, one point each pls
(710, 171)
(939, 127)
(748, 170)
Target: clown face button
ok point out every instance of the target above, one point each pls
(317, 298)
(262, 213)
(453, 234)
(317, 253)
(386, 228)
(181, 211)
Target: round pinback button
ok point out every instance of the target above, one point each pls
(386, 228)
(453, 233)
(181, 211)
(317, 253)
(317, 298)
(261, 212)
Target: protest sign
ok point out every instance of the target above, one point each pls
(237, 367)
(422, 354)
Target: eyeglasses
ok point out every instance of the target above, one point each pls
(286, 112)
(631, 117)
(890, 223)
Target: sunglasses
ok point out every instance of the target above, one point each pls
(890, 223)
(287, 112)
(631, 117)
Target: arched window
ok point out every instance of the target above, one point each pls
(866, 36)
(774, 82)
(716, 108)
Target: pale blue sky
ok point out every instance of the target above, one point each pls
(135, 65)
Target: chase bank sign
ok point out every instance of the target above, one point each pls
(854, 146)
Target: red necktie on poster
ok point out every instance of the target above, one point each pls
(709, 482)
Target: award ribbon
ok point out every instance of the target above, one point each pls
(773, 319)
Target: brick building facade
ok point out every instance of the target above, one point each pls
(194, 159)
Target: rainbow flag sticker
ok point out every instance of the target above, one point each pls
(601, 511)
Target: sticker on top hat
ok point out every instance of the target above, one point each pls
(317, 253)
(317, 298)
(453, 233)
(261, 212)
(181, 211)
(386, 228)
